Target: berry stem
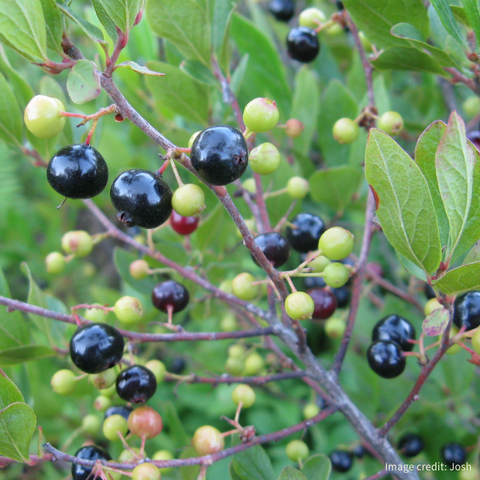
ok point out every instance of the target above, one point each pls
(175, 172)
(292, 286)
(91, 132)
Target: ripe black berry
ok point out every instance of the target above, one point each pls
(429, 291)
(77, 171)
(340, 5)
(314, 282)
(303, 44)
(453, 454)
(90, 452)
(141, 198)
(467, 310)
(136, 384)
(342, 294)
(304, 232)
(359, 451)
(410, 444)
(220, 154)
(183, 225)
(96, 347)
(342, 460)
(395, 329)
(178, 365)
(386, 359)
(122, 410)
(325, 303)
(282, 10)
(170, 294)
(274, 246)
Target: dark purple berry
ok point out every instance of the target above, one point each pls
(304, 232)
(342, 460)
(274, 246)
(122, 410)
(396, 329)
(136, 384)
(282, 10)
(410, 444)
(177, 366)
(386, 359)
(467, 310)
(170, 294)
(359, 451)
(90, 452)
(77, 171)
(219, 155)
(342, 294)
(303, 44)
(141, 198)
(96, 347)
(314, 282)
(325, 303)
(453, 454)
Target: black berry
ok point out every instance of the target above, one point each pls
(122, 410)
(453, 454)
(274, 246)
(314, 282)
(340, 5)
(467, 310)
(77, 171)
(170, 294)
(342, 460)
(410, 444)
(325, 303)
(359, 451)
(303, 44)
(183, 225)
(429, 291)
(220, 155)
(141, 198)
(304, 232)
(96, 347)
(90, 452)
(395, 329)
(136, 384)
(386, 359)
(178, 365)
(342, 294)
(282, 10)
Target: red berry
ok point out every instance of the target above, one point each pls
(325, 303)
(183, 225)
(145, 421)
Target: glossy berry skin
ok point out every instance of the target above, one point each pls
(42, 116)
(282, 10)
(177, 366)
(141, 198)
(386, 359)
(90, 452)
(453, 454)
(136, 384)
(396, 329)
(325, 303)
(122, 410)
(77, 171)
(145, 421)
(219, 155)
(410, 444)
(96, 347)
(183, 225)
(467, 310)
(170, 294)
(274, 246)
(303, 44)
(305, 232)
(342, 460)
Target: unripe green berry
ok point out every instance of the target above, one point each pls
(336, 275)
(139, 269)
(243, 288)
(192, 139)
(91, 424)
(345, 130)
(297, 450)
(129, 310)
(311, 18)
(42, 116)
(249, 185)
(108, 392)
(297, 188)
(112, 425)
(64, 382)
(77, 242)
(254, 364)
(311, 410)
(105, 379)
(294, 128)
(146, 471)
(471, 106)
(207, 440)
(334, 30)
(431, 305)
(188, 200)
(234, 365)
(261, 115)
(158, 368)
(55, 263)
(110, 474)
(265, 159)
(244, 393)
(319, 264)
(164, 455)
(237, 350)
(391, 123)
(335, 327)
(229, 323)
(367, 45)
(95, 314)
(299, 306)
(336, 243)
(102, 403)
(126, 456)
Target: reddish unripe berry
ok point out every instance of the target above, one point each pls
(145, 421)
(207, 440)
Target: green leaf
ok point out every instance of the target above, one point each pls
(222, 14)
(178, 434)
(239, 74)
(448, 20)
(473, 255)
(22, 27)
(460, 15)
(290, 473)
(233, 473)
(54, 24)
(404, 205)
(83, 83)
(25, 353)
(214, 230)
(253, 464)
(190, 33)
(461, 279)
(458, 172)
(17, 425)
(178, 91)
(376, 18)
(407, 58)
(11, 125)
(105, 20)
(473, 14)
(139, 69)
(9, 392)
(412, 268)
(436, 322)
(317, 467)
(122, 12)
(199, 72)
(335, 186)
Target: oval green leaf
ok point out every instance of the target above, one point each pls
(11, 125)
(290, 473)
(435, 323)
(122, 12)
(317, 467)
(461, 279)
(83, 83)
